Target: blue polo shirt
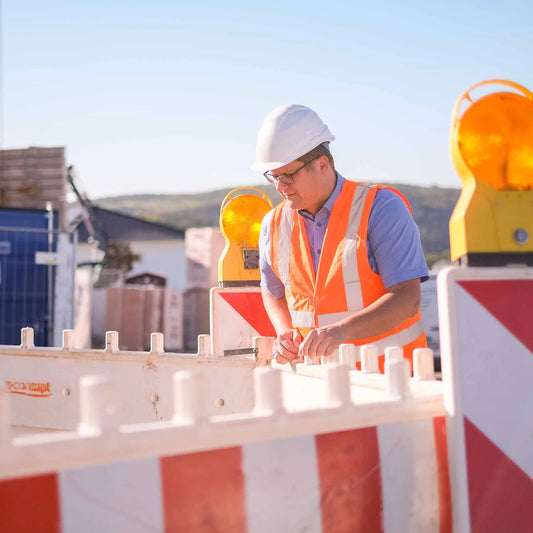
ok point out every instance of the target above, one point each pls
(394, 247)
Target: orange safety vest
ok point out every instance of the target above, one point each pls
(344, 283)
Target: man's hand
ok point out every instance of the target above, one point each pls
(321, 341)
(286, 346)
(288, 339)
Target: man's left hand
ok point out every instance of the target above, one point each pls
(321, 341)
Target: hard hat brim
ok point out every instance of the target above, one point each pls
(263, 167)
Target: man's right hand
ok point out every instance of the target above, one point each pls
(286, 346)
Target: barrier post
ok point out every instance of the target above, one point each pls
(98, 409)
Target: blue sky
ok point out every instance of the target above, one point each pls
(167, 96)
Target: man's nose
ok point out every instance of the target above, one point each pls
(280, 186)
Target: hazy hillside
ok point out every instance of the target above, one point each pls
(180, 210)
(432, 207)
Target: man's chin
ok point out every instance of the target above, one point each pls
(293, 202)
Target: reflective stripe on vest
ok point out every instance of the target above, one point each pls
(284, 245)
(354, 298)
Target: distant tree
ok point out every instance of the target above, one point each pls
(118, 261)
(119, 256)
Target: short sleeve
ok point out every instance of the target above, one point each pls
(394, 246)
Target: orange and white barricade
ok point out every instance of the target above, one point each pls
(486, 330)
(364, 461)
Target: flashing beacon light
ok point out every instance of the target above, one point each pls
(491, 143)
(240, 222)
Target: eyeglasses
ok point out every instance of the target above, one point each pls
(286, 179)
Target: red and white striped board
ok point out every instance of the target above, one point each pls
(237, 316)
(390, 478)
(486, 328)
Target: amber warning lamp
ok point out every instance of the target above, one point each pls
(241, 214)
(491, 143)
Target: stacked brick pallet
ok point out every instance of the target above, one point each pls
(31, 177)
(136, 311)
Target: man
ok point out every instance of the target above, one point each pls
(340, 261)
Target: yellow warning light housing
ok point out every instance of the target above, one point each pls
(491, 143)
(240, 222)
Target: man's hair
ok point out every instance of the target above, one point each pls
(320, 150)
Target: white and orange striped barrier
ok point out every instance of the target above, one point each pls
(273, 469)
(388, 478)
(237, 316)
(486, 317)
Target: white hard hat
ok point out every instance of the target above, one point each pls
(287, 133)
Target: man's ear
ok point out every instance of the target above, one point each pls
(323, 162)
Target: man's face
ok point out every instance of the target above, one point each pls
(306, 191)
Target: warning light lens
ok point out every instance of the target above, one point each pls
(495, 140)
(241, 219)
